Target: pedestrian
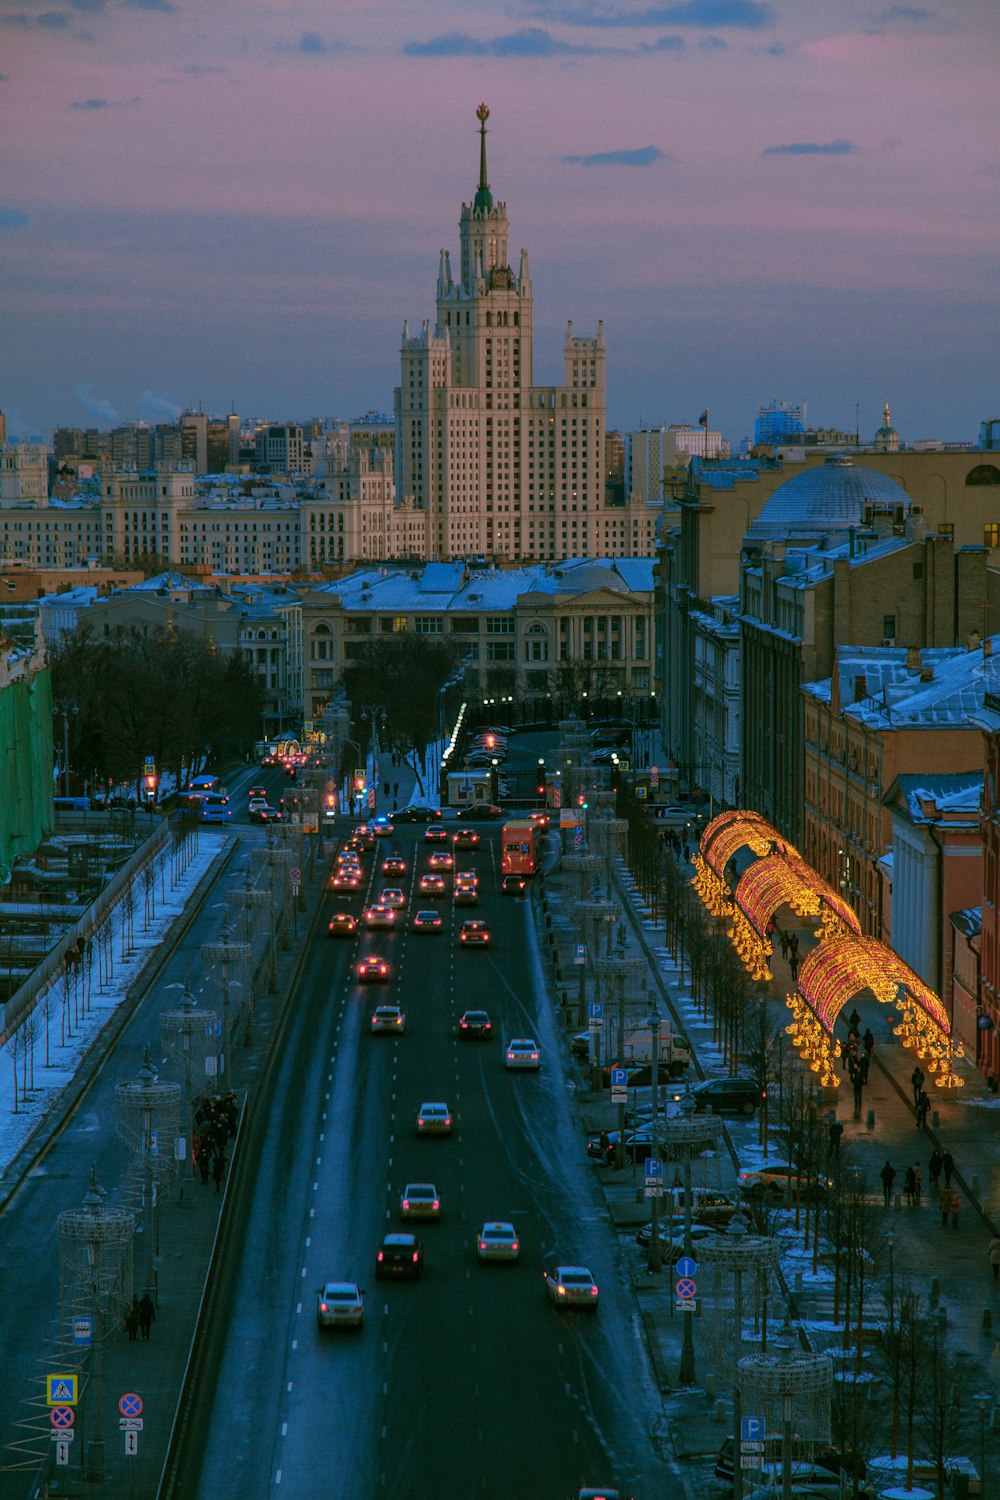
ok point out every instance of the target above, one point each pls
(888, 1176)
(793, 967)
(204, 1162)
(953, 1208)
(869, 1041)
(395, 790)
(686, 851)
(132, 1318)
(793, 946)
(923, 1109)
(995, 1256)
(934, 1166)
(864, 1063)
(918, 1183)
(196, 1150)
(854, 1022)
(605, 1145)
(784, 944)
(835, 1132)
(385, 789)
(944, 1204)
(948, 1166)
(917, 1082)
(147, 1314)
(909, 1185)
(218, 1170)
(231, 1112)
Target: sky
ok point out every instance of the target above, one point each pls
(209, 202)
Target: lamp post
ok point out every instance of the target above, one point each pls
(653, 1260)
(984, 1402)
(737, 1230)
(66, 707)
(377, 716)
(890, 1240)
(687, 1368)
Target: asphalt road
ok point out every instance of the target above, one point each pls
(466, 1383)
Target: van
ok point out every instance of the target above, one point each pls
(71, 804)
(206, 782)
(215, 806)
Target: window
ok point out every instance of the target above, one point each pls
(500, 651)
(888, 627)
(500, 625)
(991, 534)
(429, 625)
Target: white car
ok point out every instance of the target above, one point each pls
(388, 1018)
(571, 1286)
(434, 1119)
(420, 1201)
(522, 1052)
(340, 1304)
(392, 896)
(497, 1241)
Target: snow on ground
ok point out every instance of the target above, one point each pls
(73, 1023)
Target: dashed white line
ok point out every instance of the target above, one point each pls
(298, 1307)
(308, 1240)
(284, 1429)
(277, 1477)
(288, 1386)
(295, 1344)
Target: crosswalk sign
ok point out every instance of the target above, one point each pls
(61, 1390)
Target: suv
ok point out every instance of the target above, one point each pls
(740, 1096)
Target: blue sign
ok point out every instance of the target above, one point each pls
(752, 1429)
(83, 1329)
(596, 1010)
(686, 1266)
(654, 1169)
(619, 1078)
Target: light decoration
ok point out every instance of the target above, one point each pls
(831, 899)
(713, 892)
(753, 948)
(729, 832)
(814, 1044)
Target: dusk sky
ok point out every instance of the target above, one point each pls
(217, 201)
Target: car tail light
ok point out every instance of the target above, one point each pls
(593, 1291)
(561, 1290)
(437, 1203)
(406, 1203)
(515, 1245)
(464, 1025)
(323, 1307)
(414, 1257)
(379, 1256)
(420, 1120)
(534, 1057)
(447, 1119)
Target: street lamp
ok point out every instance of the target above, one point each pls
(737, 1230)
(65, 706)
(377, 715)
(984, 1402)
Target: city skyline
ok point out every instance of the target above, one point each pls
(244, 204)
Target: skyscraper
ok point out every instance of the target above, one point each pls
(778, 420)
(502, 467)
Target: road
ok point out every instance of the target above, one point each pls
(467, 1383)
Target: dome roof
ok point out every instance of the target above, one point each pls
(828, 498)
(582, 578)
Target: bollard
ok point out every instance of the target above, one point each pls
(942, 1318)
(799, 1284)
(640, 1195)
(935, 1290)
(870, 1120)
(710, 1386)
(987, 1321)
(936, 1119)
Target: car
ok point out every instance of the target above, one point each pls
(380, 915)
(672, 1237)
(400, 1255)
(388, 1018)
(434, 1119)
(465, 838)
(435, 833)
(431, 885)
(475, 1025)
(571, 1286)
(708, 1205)
(474, 935)
(427, 921)
(728, 1096)
(340, 1304)
(415, 814)
(497, 1240)
(441, 860)
(513, 885)
(342, 924)
(255, 802)
(394, 864)
(481, 760)
(540, 818)
(825, 1461)
(345, 880)
(522, 1052)
(601, 1492)
(349, 855)
(672, 815)
(263, 812)
(382, 826)
(257, 794)
(482, 812)
(466, 877)
(580, 1045)
(420, 1200)
(364, 838)
(778, 1178)
(466, 895)
(638, 1146)
(391, 895)
(372, 970)
(502, 729)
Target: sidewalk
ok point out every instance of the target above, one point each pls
(951, 1266)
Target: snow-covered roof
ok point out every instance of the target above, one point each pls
(473, 591)
(890, 687)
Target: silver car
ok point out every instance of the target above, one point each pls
(340, 1304)
(497, 1240)
(571, 1286)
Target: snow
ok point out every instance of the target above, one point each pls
(46, 1082)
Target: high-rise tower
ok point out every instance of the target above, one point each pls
(503, 468)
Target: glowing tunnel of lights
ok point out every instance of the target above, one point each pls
(834, 972)
(730, 832)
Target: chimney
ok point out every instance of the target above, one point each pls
(926, 674)
(988, 646)
(913, 658)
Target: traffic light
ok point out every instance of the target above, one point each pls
(359, 783)
(149, 786)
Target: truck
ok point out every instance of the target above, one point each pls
(636, 1052)
(520, 847)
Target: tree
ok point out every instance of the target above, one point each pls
(404, 674)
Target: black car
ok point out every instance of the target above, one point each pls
(513, 885)
(418, 815)
(737, 1096)
(481, 812)
(401, 1255)
(475, 1025)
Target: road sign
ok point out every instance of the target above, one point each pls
(653, 1169)
(62, 1416)
(62, 1450)
(619, 1096)
(66, 1435)
(654, 775)
(580, 953)
(295, 887)
(131, 1443)
(295, 873)
(83, 1329)
(130, 1424)
(130, 1405)
(686, 1266)
(619, 1078)
(752, 1429)
(595, 1011)
(686, 1289)
(62, 1390)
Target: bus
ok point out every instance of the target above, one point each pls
(520, 847)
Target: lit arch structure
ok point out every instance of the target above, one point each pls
(843, 962)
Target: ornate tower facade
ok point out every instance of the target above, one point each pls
(504, 469)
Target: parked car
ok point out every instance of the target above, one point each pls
(415, 814)
(776, 1179)
(739, 1096)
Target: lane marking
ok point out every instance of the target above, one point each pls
(308, 1240)
(298, 1307)
(277, 1477)
(284, 1429)
(295, 1343)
